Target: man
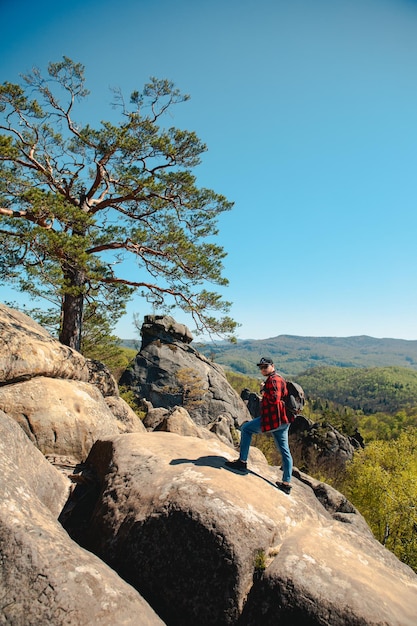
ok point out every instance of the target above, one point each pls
(273, 419)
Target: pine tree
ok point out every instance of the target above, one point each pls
(77, 201)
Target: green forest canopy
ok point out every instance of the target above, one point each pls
(370, 390)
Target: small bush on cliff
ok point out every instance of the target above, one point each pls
(191, 387)
(129, 397)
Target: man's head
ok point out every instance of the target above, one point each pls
(266, 366)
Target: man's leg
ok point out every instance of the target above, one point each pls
(281, 440)
(246, 432)
(248, 429)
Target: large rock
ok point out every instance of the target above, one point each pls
(45, 578)
(167, 363)
(320, 445)
(325, 575)
(209, 546)
(19, 457)
(62, 401)
(178, 421)
(165, 328)
(59, 416)
(127, 420)
(28, 350)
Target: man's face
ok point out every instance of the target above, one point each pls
(266, 369)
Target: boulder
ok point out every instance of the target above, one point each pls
(59, 416)
(320, 444)
(165, 328)
(127, 420)
(178, 421)
(322, 574)
(28, 350)
(167, 367)
(252, 401)
(210, 546)
(224, 430)
(45, 578)
(19, 457)
(62, 401)
(154, 417)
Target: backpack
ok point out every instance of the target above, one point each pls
(294, 400)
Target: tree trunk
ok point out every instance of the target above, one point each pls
(72, 311)
(73, 303)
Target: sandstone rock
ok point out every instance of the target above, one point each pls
(54, 393)
(127, 420)
(100, 376)
(18, 455)
(59, 416)
(322, 442)
(44, 577)
(223, 428)
(164, 327)
(187, 533)
(324, 574)
(252, 401)
(163, 361)
(178, 421)
(334, 502)
(154, 417)
(28, 350)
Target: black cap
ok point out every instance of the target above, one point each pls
(265, 361)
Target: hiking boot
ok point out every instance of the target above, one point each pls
(284, 487)
(240, 466)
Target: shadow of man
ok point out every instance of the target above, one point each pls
(218, 462)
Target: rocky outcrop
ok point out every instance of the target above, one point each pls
(178, 420)
(28, 350)
(198, 543)
(164, 328)
(59, 416)
(45, 578)
(63, 401)
(321, 444)
(169, 372)
(18, 457)
(206, 545)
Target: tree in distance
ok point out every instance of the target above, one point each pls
(76, 202)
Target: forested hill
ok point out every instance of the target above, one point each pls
(371, 390)
(293, 355)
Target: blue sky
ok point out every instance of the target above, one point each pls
(309, 112)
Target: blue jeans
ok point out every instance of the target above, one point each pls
(281, 441)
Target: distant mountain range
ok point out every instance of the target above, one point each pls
(293, 355)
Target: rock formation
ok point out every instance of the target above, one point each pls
(46, 578)
(62, 401)
(205, 545)
(178, 538)
(320, 444)
(167, 366)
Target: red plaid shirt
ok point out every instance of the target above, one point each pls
(272, 406)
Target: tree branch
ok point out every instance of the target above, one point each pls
(39, 221)
(153, 288)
